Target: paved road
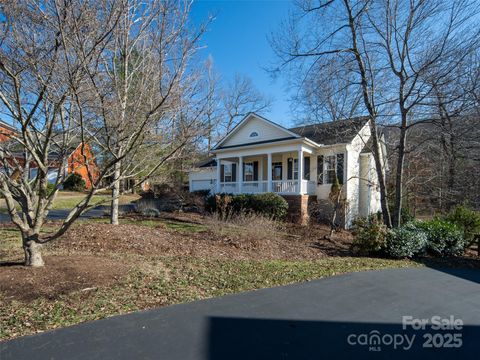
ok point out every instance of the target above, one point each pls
(96, 212)
(61, 214)
(316, 320)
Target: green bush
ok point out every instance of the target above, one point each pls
(150, 212)
(406, 216)
(443, 237)
(74, 182)
(369, 235)
(467, 220)
(269, 205)
(406, 241)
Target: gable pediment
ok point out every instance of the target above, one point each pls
(255, 129)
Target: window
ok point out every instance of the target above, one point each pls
(292, 169)
(248, 171)
(330, 167)
(227, 173)
(254, 134)
(277, 171)
(306, 168)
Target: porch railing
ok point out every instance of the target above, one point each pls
(285, 186)
(255, 187)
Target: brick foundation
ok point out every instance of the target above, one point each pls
(298, 206)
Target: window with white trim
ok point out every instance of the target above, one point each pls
(253, 134)
(277, 171)
(227, 173)
(292, 169)
(248, 171)
(329, 169)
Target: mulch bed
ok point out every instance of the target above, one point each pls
(147, 240)
(61, 275)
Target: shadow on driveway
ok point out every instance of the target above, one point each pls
(240, 338)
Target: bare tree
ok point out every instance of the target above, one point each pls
(424, 41)
(335, 30)
(213, 101)
(326, 92)
(68, 73)
(43, 57)
(138, 87)
(443, 152)
(398, 48)
(241, 97)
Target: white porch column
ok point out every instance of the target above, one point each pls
(240, 174)
(269, 173)
(218, 187)
(300, 170)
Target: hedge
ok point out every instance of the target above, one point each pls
(268, 204)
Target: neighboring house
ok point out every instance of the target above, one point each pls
(5, 130)
(79, 160)
(300, 164)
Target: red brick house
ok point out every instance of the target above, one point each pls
(80, 160)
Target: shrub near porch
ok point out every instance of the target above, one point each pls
(269, 205)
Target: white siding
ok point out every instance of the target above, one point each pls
(265, 131)
(353, 174)
(374, 189)
(364, 189)
(202, 179)
(362, 195)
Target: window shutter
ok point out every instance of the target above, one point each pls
(340, 161)
(234, 172)
(255, 171)
(306, 168)
(289, 168)
(320, 169)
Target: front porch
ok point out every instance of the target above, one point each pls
(282, 187)
(285, 173)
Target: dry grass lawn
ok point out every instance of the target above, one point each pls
(98, 270)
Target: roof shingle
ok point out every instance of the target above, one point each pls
(333, 132)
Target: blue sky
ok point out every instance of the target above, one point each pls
(237, 42)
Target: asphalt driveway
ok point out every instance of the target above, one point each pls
(356, 315)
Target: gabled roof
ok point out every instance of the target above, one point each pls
(333, 132)
(288, 133)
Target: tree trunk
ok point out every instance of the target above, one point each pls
(397, 211)
(366, 90)
(115, 195)
(33, 254)
(387, 220)
(134, 186)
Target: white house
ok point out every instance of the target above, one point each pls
(299, 164)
